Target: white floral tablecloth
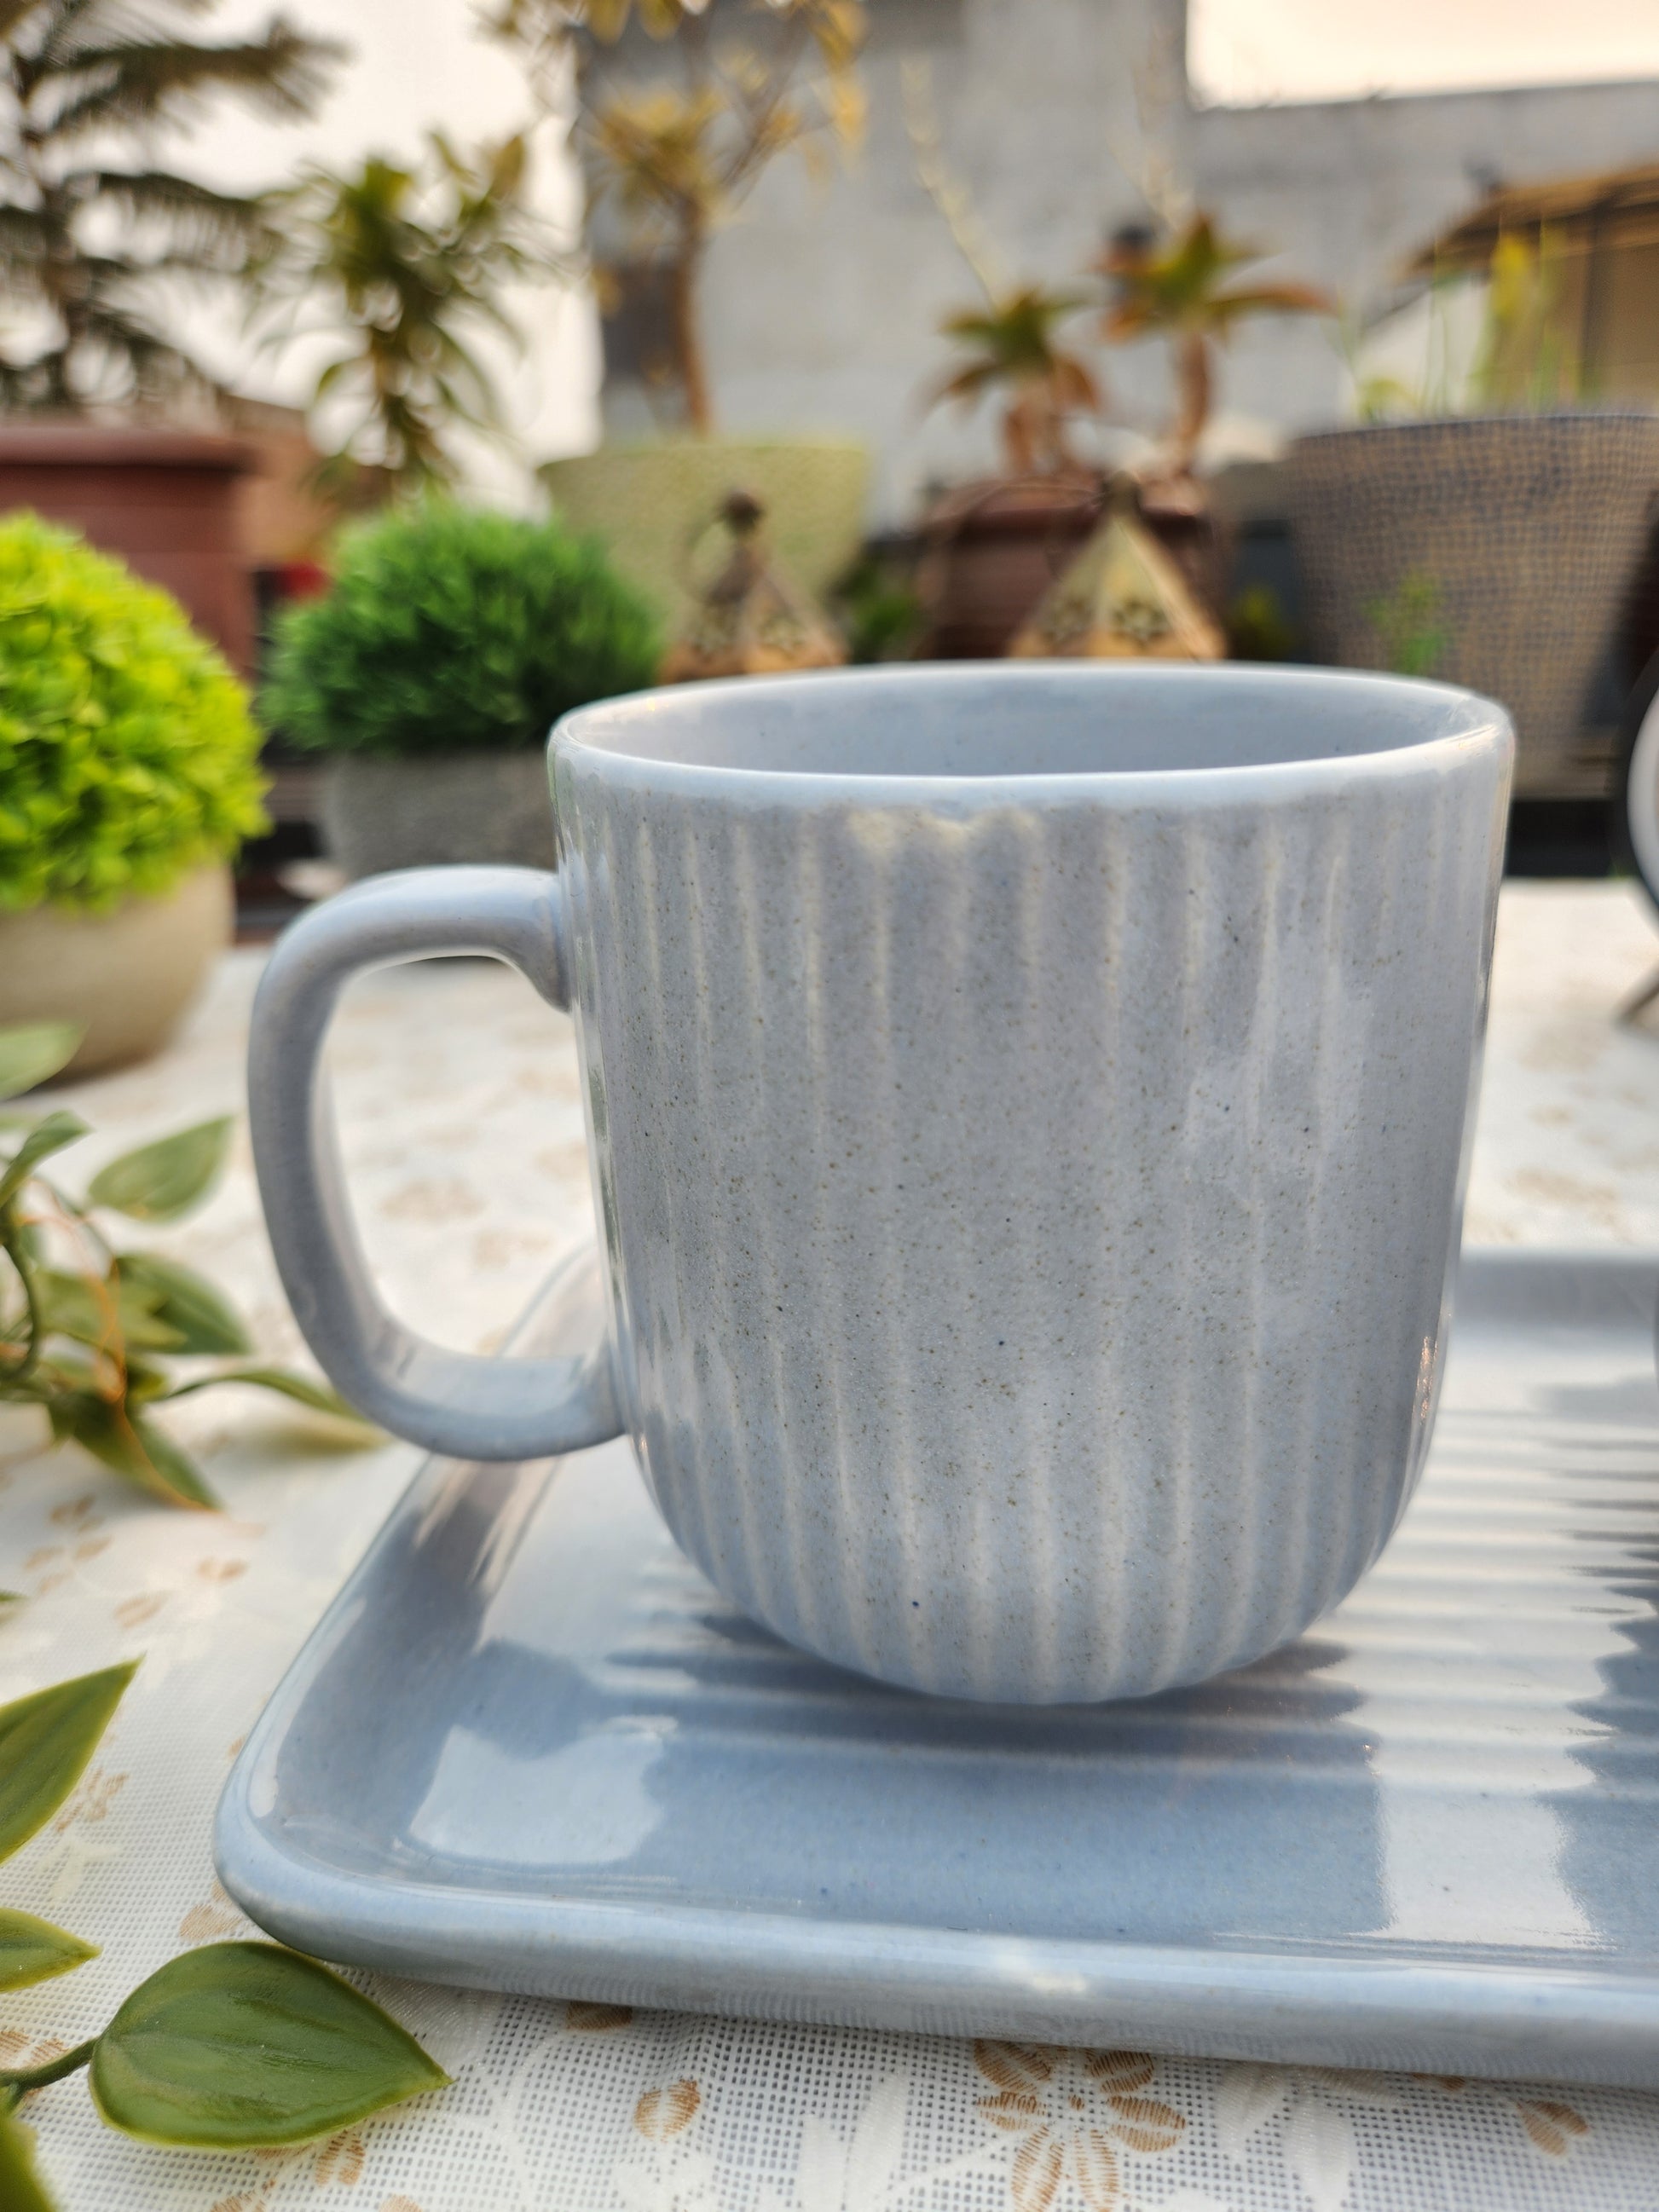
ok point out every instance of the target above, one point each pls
(463, 1126)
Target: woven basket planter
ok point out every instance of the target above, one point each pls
(1530, 528)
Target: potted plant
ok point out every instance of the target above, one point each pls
(670, 150)
(996, 546)
(399, 265)
(1521, 509)
(429, 674)
(127, 779)
(1181, 286)
(95, 231)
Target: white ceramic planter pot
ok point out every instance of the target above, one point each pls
(482, 807)
(126, 977)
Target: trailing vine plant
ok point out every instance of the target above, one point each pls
(233, 2046)
(90, 1334)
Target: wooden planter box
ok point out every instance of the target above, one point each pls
(165, 501)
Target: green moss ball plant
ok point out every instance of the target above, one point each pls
(448, 629)
(128, 757)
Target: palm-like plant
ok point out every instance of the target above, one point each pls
(1012, 346)
(1177, 288)
(402, 264)
(680, 154)
(657, 154)
(87, 241)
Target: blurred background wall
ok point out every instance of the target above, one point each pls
(1060, 118)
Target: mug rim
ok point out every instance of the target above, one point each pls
(1471, 725)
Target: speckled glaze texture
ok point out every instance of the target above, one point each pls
(1029, 1113)
(530, 1749)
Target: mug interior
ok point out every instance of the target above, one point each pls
(993, 719)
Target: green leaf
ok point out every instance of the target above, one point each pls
(62, 1373)
(90, 1310)
(21, 2188)
(43, 1140)
(142, 1327)
(33, 1950)
(45, 1740)
(145, 1382)
(304, 1388)
(174, 1474)
(130, 1307)
(245, 2045)
(32, 1051)
(128, 1444)
(73, 1305)
(160, 1182)
(197, 1313)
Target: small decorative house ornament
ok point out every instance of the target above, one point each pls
(1122, 598)
(751, 620)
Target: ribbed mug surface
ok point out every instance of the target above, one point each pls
(1031, 1187)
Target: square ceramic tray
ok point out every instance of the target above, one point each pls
(530, 1749)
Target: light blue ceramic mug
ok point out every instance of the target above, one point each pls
(1028, 1107)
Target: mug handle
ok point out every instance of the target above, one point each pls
(453, 1402)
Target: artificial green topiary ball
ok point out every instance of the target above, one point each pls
(448, 629)
(127, 756)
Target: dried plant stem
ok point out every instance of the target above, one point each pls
(947, 192)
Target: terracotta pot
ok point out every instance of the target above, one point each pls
(1526, 530)
(417, 813)
(994, 549)
(126, 977)
(165, 501)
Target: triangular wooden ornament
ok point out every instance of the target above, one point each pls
(1122, 598)
(751, 620)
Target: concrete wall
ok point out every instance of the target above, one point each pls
(822, 304)
(1350, 189)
